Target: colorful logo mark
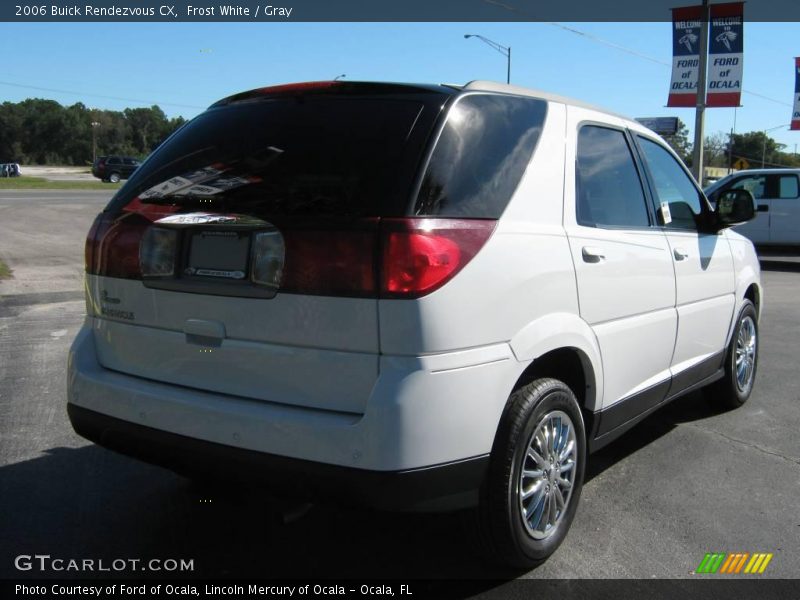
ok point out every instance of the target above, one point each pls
(735, 563)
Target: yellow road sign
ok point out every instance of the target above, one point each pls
(741, 164)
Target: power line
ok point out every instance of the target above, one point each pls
(766, 97)
(137, 101)
(594, 38)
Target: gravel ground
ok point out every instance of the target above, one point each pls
(59, 173)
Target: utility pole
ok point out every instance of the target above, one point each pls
(700, 116)
(764, 145)
(730, 143)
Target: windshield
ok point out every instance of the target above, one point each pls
(709, 189)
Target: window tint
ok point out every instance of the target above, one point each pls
(787, 186)
(113, 161)
(609, 191)
(673, 186)
(304, 156)
(480, 156)
(130, 161)
(756, 185)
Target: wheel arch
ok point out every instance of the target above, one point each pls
(753, 293)
(562, 346)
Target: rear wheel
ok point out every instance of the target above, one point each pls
(535, 475)
(114, 178)
(741, 362)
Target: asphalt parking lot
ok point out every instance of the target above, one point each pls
(687, 481)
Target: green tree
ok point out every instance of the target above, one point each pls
(679, 141)
(756, 147)
(39, 131)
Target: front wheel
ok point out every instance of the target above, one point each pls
(535, 475)
(741, 362)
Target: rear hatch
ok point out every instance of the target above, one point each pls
(243, 256)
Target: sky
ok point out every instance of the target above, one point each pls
(184, 67)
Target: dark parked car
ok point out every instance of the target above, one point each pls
(114, 168)
(9, 170)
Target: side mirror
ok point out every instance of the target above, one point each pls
(734, 206)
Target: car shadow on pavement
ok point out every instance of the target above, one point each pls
(88, 502)
(782, 266)
(692, 407)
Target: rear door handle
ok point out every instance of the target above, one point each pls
(592, 255)
(680, 254)
(203, 332)
(763, 208)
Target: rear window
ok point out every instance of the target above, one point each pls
(482, 152)
(292, 156)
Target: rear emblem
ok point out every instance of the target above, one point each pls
(104, 297)
(197, 219)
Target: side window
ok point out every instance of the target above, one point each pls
(787, 187)
(481, 155)
(672, 185)
(608, 189)
(756, 185)
(113, 161)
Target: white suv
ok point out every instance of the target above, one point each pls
(412, 297)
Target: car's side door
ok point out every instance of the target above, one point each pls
(113, 165)
(623, 265)
(703, 262)
(784, 207)
(129, 166)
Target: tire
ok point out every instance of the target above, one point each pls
(520, 485)
(741, 362)
(114, 178)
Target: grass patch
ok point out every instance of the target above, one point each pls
(5, 271)
(39, 183)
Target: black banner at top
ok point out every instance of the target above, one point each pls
(365, 10)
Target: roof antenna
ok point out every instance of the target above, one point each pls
(339, 76)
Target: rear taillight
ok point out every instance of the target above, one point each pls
(331, 262)
(112, 246)
(158, 252)
(420, 255)
(267, 257)
(387, 258)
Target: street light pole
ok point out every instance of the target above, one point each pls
(95, 125)
(504, 50)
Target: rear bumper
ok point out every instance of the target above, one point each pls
(422, 442)
(440, 487)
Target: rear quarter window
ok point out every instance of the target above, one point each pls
(485, 145)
